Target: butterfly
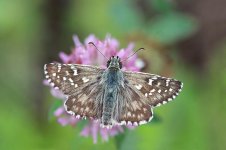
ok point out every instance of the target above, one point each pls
(111, 96)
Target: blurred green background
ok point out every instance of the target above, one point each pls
(183, 39)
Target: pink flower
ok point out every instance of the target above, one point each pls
(87, 54)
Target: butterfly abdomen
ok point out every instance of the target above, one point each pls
(108, 105)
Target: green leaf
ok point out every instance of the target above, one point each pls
(162, 5)
(171, 28)
(125, 16)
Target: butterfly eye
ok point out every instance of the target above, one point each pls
(120, 64)
(108, 63)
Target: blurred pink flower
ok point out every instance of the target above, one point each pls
(87, 54)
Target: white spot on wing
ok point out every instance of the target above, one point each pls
(153, 90)
(129, 114)
(142, 122)
(67, 73)
(71, 113)
(167, 82)
(138, 86)
(45, 67)
(170, 99)
(154, 78)
(129, 123)
(150, 81)
(159, 104)
(59, 68)
(123, 123)
(70, 79)
(84, 79)
(164, 102)
(135, 124)
(75, 72)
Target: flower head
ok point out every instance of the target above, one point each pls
(87, 54)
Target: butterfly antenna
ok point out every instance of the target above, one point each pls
(133, 54)
(97, 49)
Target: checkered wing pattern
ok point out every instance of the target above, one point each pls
(81, 85)
(144, 91)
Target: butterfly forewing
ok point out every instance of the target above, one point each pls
(157, 90)
(81, 85)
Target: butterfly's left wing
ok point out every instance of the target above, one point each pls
(81, 85)
(142, 92)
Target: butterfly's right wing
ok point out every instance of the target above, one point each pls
(81, 84)
(156, 89)
(141, 92)
(132, 109)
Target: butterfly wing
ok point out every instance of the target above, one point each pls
(157, 90)
(132, 107)
(142, 92)
(81, 84)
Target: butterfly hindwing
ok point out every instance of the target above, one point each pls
(135, 110)
(87, 103)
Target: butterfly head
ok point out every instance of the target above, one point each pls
(114, 63)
